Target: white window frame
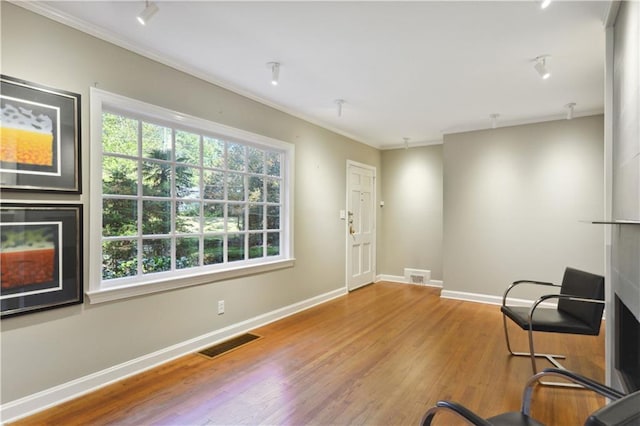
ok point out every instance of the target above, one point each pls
(103, 291)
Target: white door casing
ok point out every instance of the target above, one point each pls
(360, 225)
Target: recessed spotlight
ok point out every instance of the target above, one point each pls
(275, 72)
(545, 4)
(147, 13)
(494, 120)
(541, 66)
(570, 106)
(339, 103)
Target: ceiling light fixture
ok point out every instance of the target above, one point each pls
(494, 120)
(569, 108)
(545, 4)
(339, 103)
(275, 72)
(406, 143)
(147, 13)
(541, 66)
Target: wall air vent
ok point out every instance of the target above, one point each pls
(417, 276)
(416, 279)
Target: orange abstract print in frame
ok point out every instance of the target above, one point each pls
(25, 137)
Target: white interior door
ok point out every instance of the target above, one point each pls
(361, 225)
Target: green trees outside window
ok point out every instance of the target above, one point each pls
(174, 199)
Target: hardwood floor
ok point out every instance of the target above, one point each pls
(381, 355)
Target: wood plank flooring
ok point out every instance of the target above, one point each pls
(381, 355)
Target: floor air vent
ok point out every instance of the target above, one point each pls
(229, 345)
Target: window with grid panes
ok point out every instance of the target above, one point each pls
(181, 197)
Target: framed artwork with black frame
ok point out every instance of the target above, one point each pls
(39, 138)
(40, 257)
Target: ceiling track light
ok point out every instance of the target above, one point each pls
(541, 66)
(544, 4)
(494, 120)
(570, 106)
(406, 143)
(147, 13)
(339, 103)
(275, 72)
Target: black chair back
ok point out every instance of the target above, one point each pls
(587, 285)
(622, 412)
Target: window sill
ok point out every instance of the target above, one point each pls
(125, 292)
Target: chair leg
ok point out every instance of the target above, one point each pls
(533, 355)
(506, 334)
(552, 359)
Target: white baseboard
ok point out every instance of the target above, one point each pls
(391, 278)
(47, 398)
(497, 300)
(471, 297)
(402, 280)
(461, 295)
(488, 299)
(436, 283)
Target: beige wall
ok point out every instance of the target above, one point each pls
(42, 350)
(514, 199)
(411, 219)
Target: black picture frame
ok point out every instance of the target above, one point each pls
(40, 257)
(40, 138)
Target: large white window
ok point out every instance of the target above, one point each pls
(177, 200)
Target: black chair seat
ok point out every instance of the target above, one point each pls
(513, 419)
(549, 320)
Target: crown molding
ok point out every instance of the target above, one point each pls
(47, 11)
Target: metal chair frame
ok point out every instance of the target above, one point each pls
(525, 408)
(552, 358)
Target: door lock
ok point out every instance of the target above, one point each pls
(352, 230)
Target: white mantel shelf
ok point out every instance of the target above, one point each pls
(616, 222)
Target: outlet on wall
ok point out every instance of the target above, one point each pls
(220, 307)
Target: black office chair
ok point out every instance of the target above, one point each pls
(579, 311)
(623, 411)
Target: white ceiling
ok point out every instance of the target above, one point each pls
(415, 69)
